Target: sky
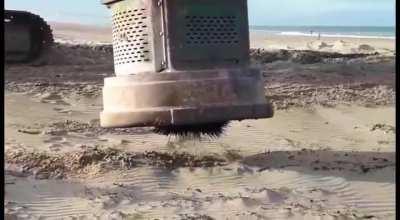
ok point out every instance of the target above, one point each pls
(261, 12)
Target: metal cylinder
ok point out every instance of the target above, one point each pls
(180, 62)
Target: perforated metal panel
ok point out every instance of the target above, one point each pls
(187, 62)
(211, 30)
(178, 35)
(136, 47)
(207, 34)
(131, 36)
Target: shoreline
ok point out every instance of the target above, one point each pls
(70, 31)
(263, 40)
(323, 35)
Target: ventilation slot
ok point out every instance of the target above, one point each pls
(207, 30)
(131, 37)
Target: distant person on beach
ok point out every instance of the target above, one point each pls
(311, 32)
(319, 36)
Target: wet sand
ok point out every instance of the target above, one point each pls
(328, 153)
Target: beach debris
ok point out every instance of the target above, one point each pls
(301, 56)
(43, 165)
(383, 127)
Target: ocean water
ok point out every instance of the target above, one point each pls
(330, 31)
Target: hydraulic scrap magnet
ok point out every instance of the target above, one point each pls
(181, 63)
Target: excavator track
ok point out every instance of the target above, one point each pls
(27, 36)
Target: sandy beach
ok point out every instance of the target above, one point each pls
(328, 152)
(260, 39)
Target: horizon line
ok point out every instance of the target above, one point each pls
(250, 25)
(320, 26)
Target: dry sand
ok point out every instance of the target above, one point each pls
(264, 40)
(328, 153)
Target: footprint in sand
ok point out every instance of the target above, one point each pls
(52, 98)
(55, 147)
